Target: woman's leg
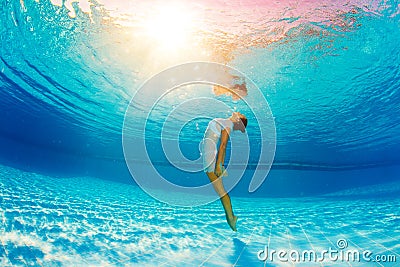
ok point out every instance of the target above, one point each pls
(225, 199)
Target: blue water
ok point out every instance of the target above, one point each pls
(88, 221)
(330, 75)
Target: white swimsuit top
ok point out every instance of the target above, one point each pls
(217, 125)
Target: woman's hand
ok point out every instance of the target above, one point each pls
(220, 170)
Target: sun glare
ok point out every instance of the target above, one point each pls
(170, 26)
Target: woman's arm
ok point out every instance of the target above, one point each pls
(221, 152)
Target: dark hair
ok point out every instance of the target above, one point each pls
(244, 121)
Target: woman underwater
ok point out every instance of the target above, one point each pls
(218, 131)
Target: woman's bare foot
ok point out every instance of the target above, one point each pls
(232, 222)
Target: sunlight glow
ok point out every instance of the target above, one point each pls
(170, 26)
(155, 33)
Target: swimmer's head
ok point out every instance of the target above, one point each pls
(239, 121)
